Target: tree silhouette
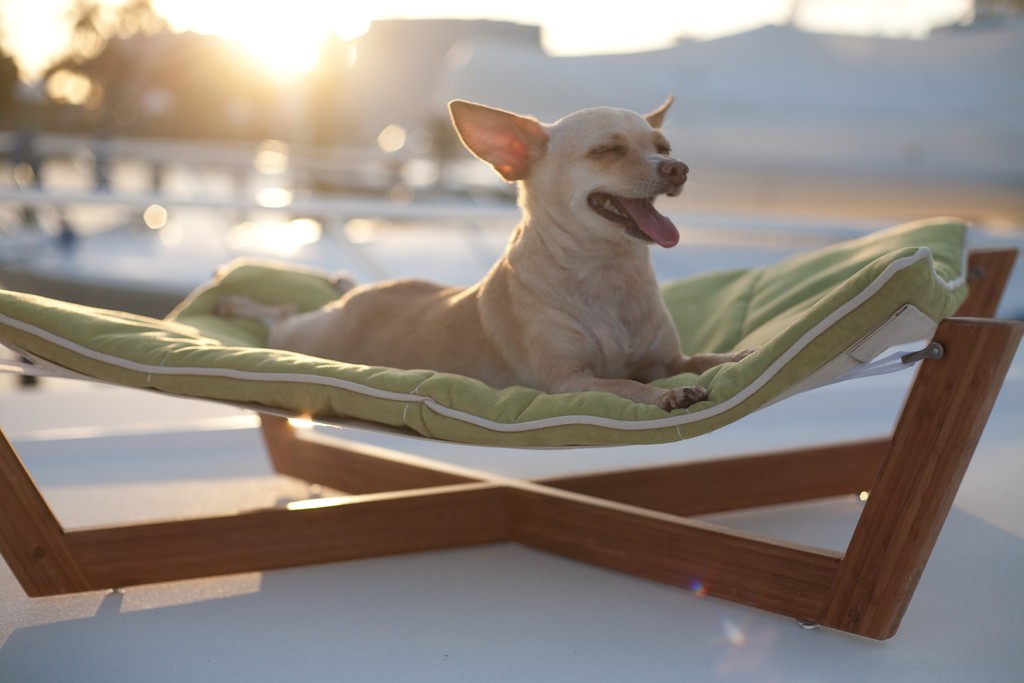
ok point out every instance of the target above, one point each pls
(8, 89)
(140, 78)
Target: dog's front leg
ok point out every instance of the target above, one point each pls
(666, 399)
(700, 362)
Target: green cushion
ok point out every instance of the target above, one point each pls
(811, 316)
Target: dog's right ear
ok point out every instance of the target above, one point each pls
(657, 117)
(508, 142)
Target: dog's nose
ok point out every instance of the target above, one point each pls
(674, 171)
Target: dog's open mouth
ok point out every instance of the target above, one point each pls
(638, 217)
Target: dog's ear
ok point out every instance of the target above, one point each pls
(657, 117)
(508, 142)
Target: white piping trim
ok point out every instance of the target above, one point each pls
(227, 373)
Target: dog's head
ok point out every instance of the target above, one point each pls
(598, 169)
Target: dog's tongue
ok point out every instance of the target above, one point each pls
(653, 224)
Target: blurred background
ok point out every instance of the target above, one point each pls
(144, 142)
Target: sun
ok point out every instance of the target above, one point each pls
(285, 37)
(282, 50)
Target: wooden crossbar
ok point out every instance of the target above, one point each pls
(637, 521)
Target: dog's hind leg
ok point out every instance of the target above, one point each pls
(237, 306)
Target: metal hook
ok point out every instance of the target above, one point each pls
(933, 351)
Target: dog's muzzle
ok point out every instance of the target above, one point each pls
(637, 216)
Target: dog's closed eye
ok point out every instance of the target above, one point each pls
(611, 150)
(661, 145)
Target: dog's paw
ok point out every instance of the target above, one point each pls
(233, 306)
(740, 355)
(682, 397)
(341, 281)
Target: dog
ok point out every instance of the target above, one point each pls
(572, 305)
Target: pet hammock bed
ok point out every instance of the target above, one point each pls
(815, 318)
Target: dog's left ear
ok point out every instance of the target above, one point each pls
(508, 142)
(657, 117)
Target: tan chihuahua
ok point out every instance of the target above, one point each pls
(572, 305)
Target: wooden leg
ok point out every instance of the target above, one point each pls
(708, 559)
(988, 271)
(933, 443)
(47, 560)
(327, 531)
(356, 469)
(738, 483)
(31, 540)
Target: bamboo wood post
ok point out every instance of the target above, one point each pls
(934, 440)
(31, 539)
(988, 271)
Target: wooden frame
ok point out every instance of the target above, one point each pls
(637, 521)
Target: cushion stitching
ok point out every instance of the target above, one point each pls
(415, 392)
(746, 303)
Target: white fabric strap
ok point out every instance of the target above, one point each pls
(895, 362)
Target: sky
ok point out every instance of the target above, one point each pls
(286, 34)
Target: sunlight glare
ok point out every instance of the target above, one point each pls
(275, 237)
(274, 197)
(155, 216)
(361, 230)
(171, 235)
(68, 86)
(24, 175)
(271, 157)
(391, 139)
(301, 422)
(734, 634)
(317, 503)
(286, 37)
